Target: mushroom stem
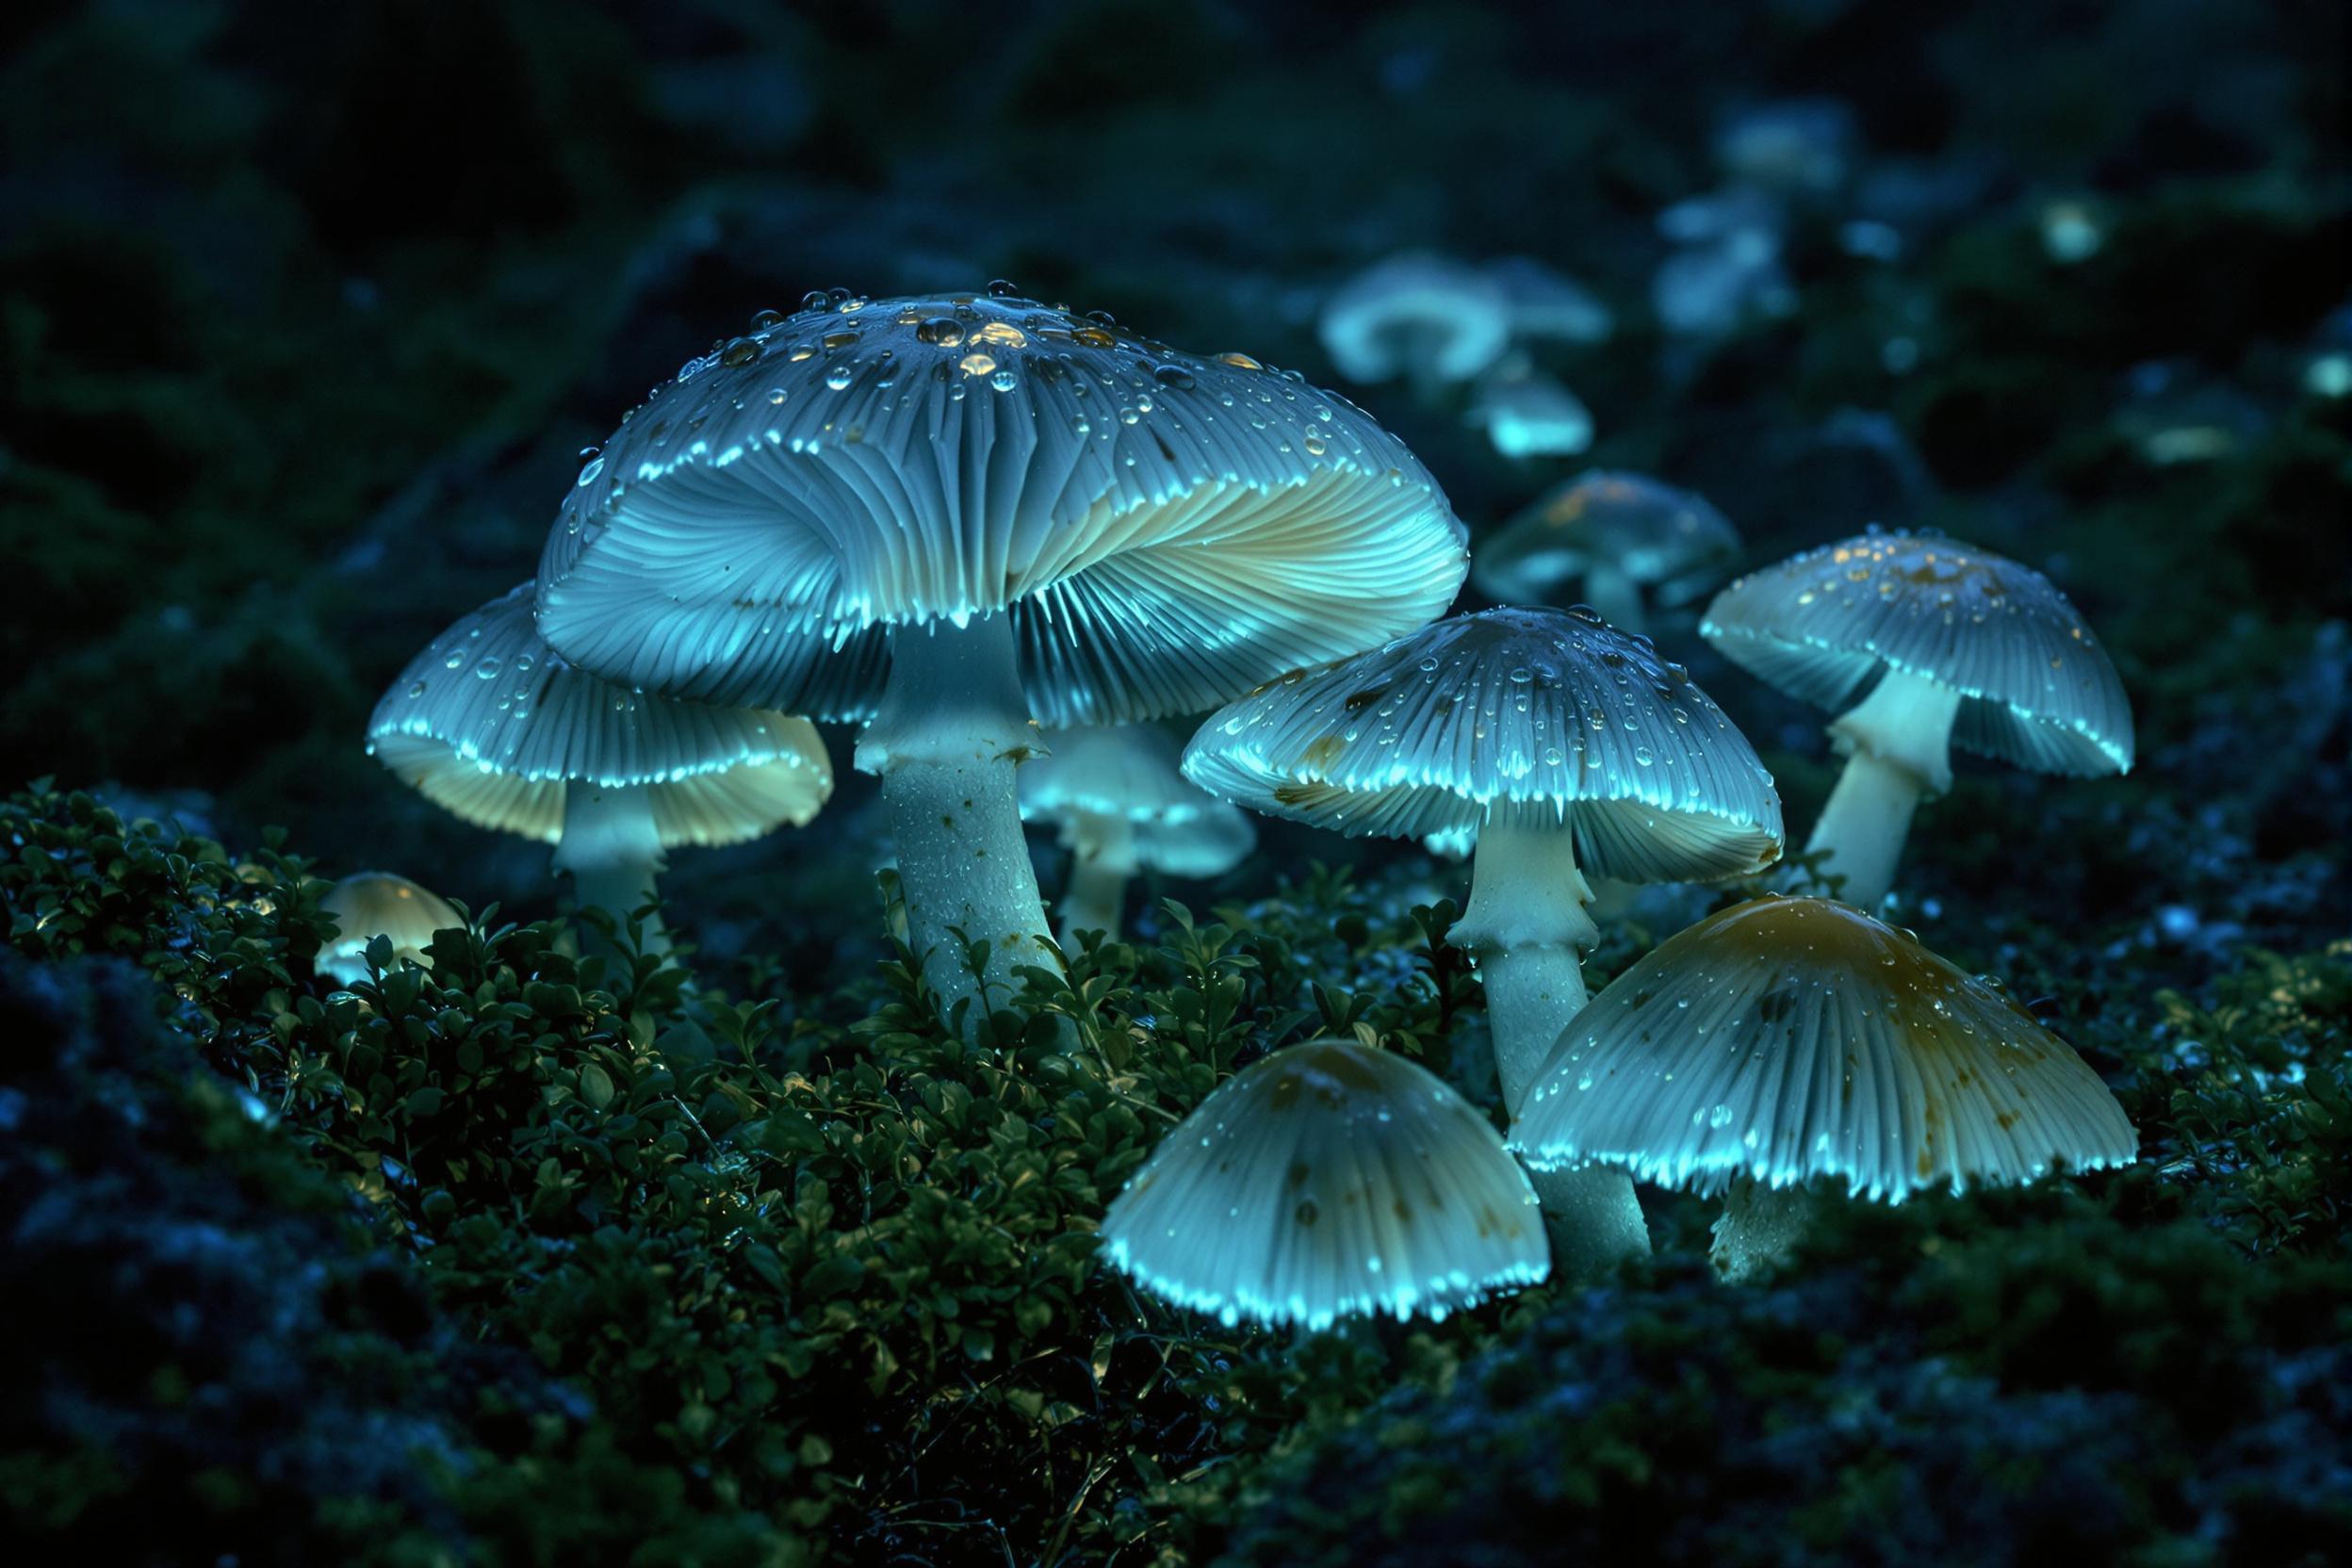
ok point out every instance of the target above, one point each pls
(1759, 1226)
(612, 852)
(1898, 747)
(951, 727)
(1522, 927)
(1615, 597)
(1102, 859)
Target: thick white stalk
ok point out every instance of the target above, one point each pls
(1898, 747)
(1102, 857)
(1522, 928)
(1759, 1226)
(613, 856)
(951, 727)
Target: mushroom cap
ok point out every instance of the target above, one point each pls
(491, 725)
(1788, 1038)
(1329, 1180)
(2036, 689)
(1543, 303)
(1207, 846)
(1653, 532)
(1164, 528)
(1416, 303)
(372, 904)
(1527, 413)
(1544, 710)
(1115, 771)
(1130, 770)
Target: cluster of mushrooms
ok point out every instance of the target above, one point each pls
(1006, 540)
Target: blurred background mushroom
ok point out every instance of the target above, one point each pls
(1426, 318)
(495, 728)
(1122, 807)
(1616, 537)
(1546, 305)
(1329, 1180)
(1944, 643)
(1571, 749)
(1784, 1045)
(1040, 518)
(1525, 413)
(370, 903)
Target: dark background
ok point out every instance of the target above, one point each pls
(305, 311)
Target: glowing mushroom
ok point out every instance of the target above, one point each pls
(1527, 413)
(1616, 535)
(1944, 643)
(1032, 516)
(372, 903)
(1423, 317)
(493, 726)
(1543, 304)
(1571, 749)
(1330, 1179)
(1787, 1042)
(1121, 806)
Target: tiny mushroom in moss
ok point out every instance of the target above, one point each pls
(1026, 516)
(1525, 413)
(1428, 318)
(1789, 1040)
(1570, 748)
(493, 726)
(1122, 807)
(1617, 536)
(1329, 1180)
(1944, 643)
(372, 904)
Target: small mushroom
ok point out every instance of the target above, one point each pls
(1330, 1179)
(1543, 304)
(1795, 148)
(994, 515)
(1423, 317)
(1944, 643)
(1527, 413)
(1571, 749)
(1122, 805)
(1617, 536)
(1790, 1041)
(495, 728)
(372, 903)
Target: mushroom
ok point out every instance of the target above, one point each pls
(495, 728)
(1796, 148)
(1571, 749)
(1542, 304)
(1944, 642)
(1789, 1040)
(1431, 319)
(1527, 413)
(1026, 516)
(1617, 534)
(1329, 1180)
(372, 904)
(1122, 806)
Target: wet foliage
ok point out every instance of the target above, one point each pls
(745, 1289)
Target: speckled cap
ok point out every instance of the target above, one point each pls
(1130, 771)
(491, 725)
(1330, 1179)
(1416, 303)
(2036, 689)
(1546, 711)
(1655, 534)
(1162, 529)
(1788, 1038)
